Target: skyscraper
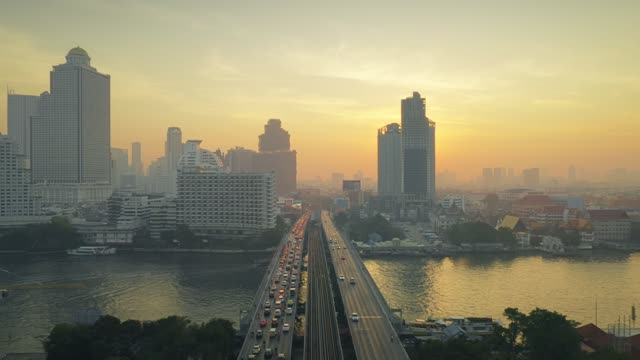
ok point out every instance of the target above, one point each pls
(390, 160)
(173, 148)
(16, 192)
(71, 132)
(275, 155)
(418, 148)
(275, 138)
(20, 108)
(119, 166)
(136, 159)
(531, 177)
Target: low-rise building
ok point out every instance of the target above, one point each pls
(162, 217)
(610, 225)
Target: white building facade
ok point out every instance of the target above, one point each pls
(20, 109)
(216, 203)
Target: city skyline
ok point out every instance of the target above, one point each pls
(528, 101)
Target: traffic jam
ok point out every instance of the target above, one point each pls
(279, 309)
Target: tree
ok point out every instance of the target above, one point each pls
(455, 349)
(507, 238)
(542, 334)
(341, 219)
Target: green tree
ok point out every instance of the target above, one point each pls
(341, 219)
(542, 334)
(455, 349)
(507, 238)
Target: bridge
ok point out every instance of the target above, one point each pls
(373, 329)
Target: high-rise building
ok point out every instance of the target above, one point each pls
(20, 109)
(119, 166)
(571, 176)
(70, 134)
(390, 160)
(531, 177)
(240, 160)
(418, 147)
(275, 138)
(16, 193)
(336, 181)
(215, 203)
(276, 156)
(71, 131)
(173, 148)
(136, 159)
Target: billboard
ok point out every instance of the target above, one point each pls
(350, 185)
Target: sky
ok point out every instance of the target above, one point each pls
(509, 83)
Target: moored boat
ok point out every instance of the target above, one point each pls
(92, 251)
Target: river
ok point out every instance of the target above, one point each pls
(53, 289)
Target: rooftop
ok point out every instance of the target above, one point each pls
(607, 215)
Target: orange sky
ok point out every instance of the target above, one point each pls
(542, 85)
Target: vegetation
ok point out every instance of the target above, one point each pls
(341, 220)
(480, 232)
(360, 229)
(171, 338)
(541, 334)
(58, 234)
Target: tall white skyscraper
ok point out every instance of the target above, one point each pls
(70, 134)
(20, 108)
(390, 160)
(173, 148)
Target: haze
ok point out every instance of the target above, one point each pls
(512, 85)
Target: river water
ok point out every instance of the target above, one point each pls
(53, 289)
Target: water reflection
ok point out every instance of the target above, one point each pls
(485, 284)
(50, 290)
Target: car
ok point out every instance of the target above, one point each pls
(341, 277)
(339, 247)
(272, 332)
(282, 356)
(268, 353)
(271, 294)
(277, 313)
(274, 322)
(256, 349)
(342, 257)
(285, 327)
(289, 311)
(352, 281)
(284, 283)
(355, 317)
(290, 302)
(252, 357)
(263, 323)
(267, 303)
(280, 297)
(267, 311)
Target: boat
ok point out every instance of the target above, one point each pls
(92, 251)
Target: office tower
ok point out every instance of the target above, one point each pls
(531, 177)
(136, 159)
(390, 160)
(16, 193)
(275, 138)
(173, 148)
(119, 166)
(571, 176)
(70, 134)
(215, 203)
(418, 147)
(276, 156)
(71, 131)
(240, 160)
(336, 181)
(20, 108)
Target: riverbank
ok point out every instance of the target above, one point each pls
(200, 251)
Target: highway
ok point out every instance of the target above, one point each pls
(322, 341)
(373, 335)
(276, 295)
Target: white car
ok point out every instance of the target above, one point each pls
(341, 277)
(352, 281)
(289, 311)
(277, 313)
(256, 349)
(285, 327)
(355, 317)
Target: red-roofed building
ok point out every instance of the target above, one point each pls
(531, 204)
(610, 225)
(593, 338)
